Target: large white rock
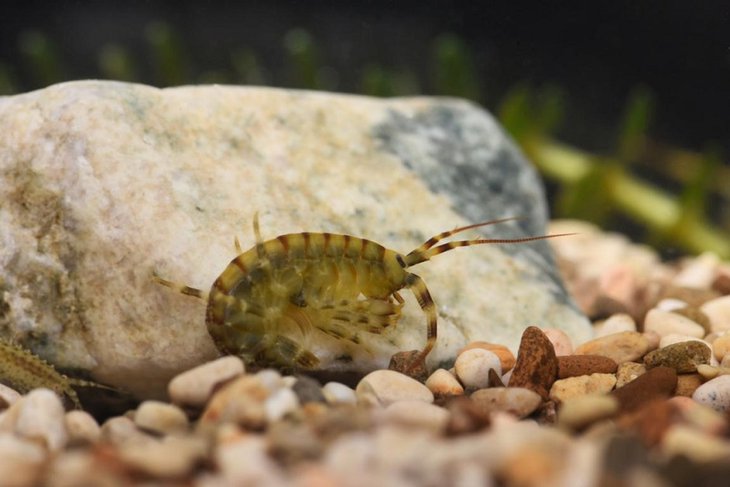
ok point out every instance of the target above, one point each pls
(101, 183)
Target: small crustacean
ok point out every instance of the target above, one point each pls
(272, 296)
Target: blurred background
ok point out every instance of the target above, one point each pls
(623, 106)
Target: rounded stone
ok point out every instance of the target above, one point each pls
(388, 386)
(715, 393)
(239, 401)
(281, 403)
(40, 416)
(626, 346)
(8, 396)
(193, 387)
(572, 387)
(627, 372)
(562, 343)
(537, 366)
(668, 322)
(82, 428)
(659, 382)
(575, 365)
(684, 357)
(721, 346)
(443, 383)
(21, 461)
(515, 400)
(687, 384)
(616, 323)
(506, 357)
(580, 411)
(160, 418)
(338, 393)
(416, 414)
(472, 367)
(718, 312)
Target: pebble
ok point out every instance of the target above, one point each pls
(721, 346)
(169, 457)
(240, 401)
(562, 344)
(281, 403)
(160, 418)
(39, 416)
(120, 430)
(616, 324)
(694, 445)
(308, 390)
(472, 367)
(670, 304)
(21, 461)
(575, 365)
(687, 384)
(82, 428)
(572, 387)
(715, 393)
(659, 382)
(8, 396)
(416, 414)
(515, 400)
(581, 411)
(695, 314)
(338, 393)
(668, 322)
(684, 357)
(718, 312)
(700, 416)
(627, 372)
(537, 366)
(626, 346)
(442, 383)
(388, 386)
(194, 387)
(699, 272)
(676, 338)
(506, 357)
(709, 372)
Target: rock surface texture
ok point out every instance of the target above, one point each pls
(103, 183)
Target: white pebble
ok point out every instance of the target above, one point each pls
(560, 340)
(193, 388)
(715, 393)
(8, 396)
(388, 386)
(120, 430)
(172, 456)
(516, 400)
(699, 273)
(161, 418)
(82, 428)
(338, 393)
(443, 383)
(666, 323)
(417, 414)
(671, 304)
(271, 379)
(581, 411)
(40, 416)
(280, 403)
(718, 311)
(615, 324)
(472, 367)
(21, 461)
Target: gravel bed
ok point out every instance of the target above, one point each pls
(645, 402)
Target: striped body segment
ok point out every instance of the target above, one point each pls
(273, 299)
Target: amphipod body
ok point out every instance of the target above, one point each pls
(271, 298)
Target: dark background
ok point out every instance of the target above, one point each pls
(596, 51)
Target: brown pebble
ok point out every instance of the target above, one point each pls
(575, 365)
(466, 416)
(537, 366)
(684, 357)
(651, 420)
(687, 384)
(407, 363)
(494, 379)
(659, 382)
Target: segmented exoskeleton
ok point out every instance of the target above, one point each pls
(301, 283)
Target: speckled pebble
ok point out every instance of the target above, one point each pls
(443, 383)
(562, 344)
(616, 324)
(40, 416)
(718, 312)
(388, 386)
(580, 411)
(668, 322)
(338, 393)
(537, 365)
(515, 400)
(575, 365)
(625, 346)
(627, 372)
(684, 357)
(82, 428)
(416, 414)
(281, 403)
(677, 338)
(472, 367)
(715, 393)
(193, 387)
(161, 418)
(565, 389)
